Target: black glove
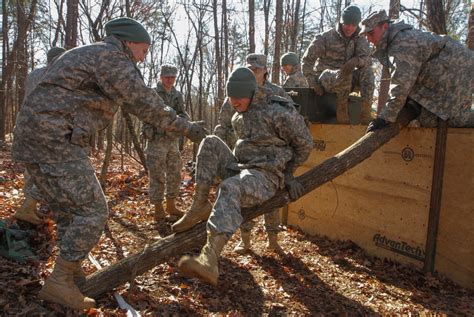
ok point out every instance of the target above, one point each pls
(376, 124)
(295, 189)
(196, 131)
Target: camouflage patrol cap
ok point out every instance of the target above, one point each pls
(351, 15)
(128, 30)
(168, 70)
(369, 23)
(241, 83)
(53, 53)
(290, 58)
(256, 60)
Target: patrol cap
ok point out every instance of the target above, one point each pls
(369, 23)
(256, 60)
(127, 29)
(290, 58)
(54, 52)
(167, 70)
(351, 15)
(241, 83)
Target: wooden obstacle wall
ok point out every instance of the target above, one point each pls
(383, 203)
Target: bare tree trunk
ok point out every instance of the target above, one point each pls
(277, 52)
(163, 250)
(3, 86)
(266, 13)
(108, 155)
(436, 16)
(225, 30)
(60, 22)
(294, 30)
(134, 138)
(470, 35)
(72, 16)
(251, 26)
(219, 83)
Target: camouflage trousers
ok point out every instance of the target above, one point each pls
(164, 165)
(362, 80)
(78, 204)
(464, 119)
(30, 189)
(238, 188)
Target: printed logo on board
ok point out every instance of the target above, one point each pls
(408, 154)
(301, 214)
(319, 145)
(400, 247)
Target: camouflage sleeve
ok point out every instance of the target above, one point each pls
(284, 94)
(313, 52)
(363, 51)
(291, 127)
(119, 80)
(147, 131)
(224, 129)
(405, 59)
(180, 109)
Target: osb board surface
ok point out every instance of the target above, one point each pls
(383, 203)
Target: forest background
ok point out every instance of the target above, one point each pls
(205, 39)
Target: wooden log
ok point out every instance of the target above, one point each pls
(160, 251)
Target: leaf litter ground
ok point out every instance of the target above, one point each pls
(316, 276)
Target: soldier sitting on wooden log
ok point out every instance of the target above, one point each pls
(430, 72)
(78, 95)
(273, 141)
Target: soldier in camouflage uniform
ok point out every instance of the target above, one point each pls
(27, 211)
(430, 72)
(338, 61)
(290, 63)
(78, 95)
(273, 141)
(258, 64)
(162, 149)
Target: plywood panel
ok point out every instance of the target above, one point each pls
(383, 203)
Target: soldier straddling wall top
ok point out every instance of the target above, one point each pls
(432, 73)
(338, 61)
(162, 149)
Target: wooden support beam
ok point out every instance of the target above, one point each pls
(161, 251)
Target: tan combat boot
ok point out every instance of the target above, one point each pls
(159, 212)
(342, 115)
(171, 208)
(60, 288)
(365, 115)
(79, 276)
(205, 266)
(244, 244)
(273, 243)
(199, 211)
(27, 212)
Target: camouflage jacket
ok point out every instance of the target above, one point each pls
(78, 95)
(271, 135)
(295, 80)
(224, 129)
(434, 70)
(33, 79)
(175, 100)
(331, 49)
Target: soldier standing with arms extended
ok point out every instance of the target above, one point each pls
(78, 95)
(338, 61)
(273, 141)
(290, 64)
(432, 73)
(27, 211)
(162, 149)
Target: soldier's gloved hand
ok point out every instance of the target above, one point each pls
(318, 89)
(376, 124)
(295, 188)
(196, 131)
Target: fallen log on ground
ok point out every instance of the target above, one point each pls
(161, 251)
